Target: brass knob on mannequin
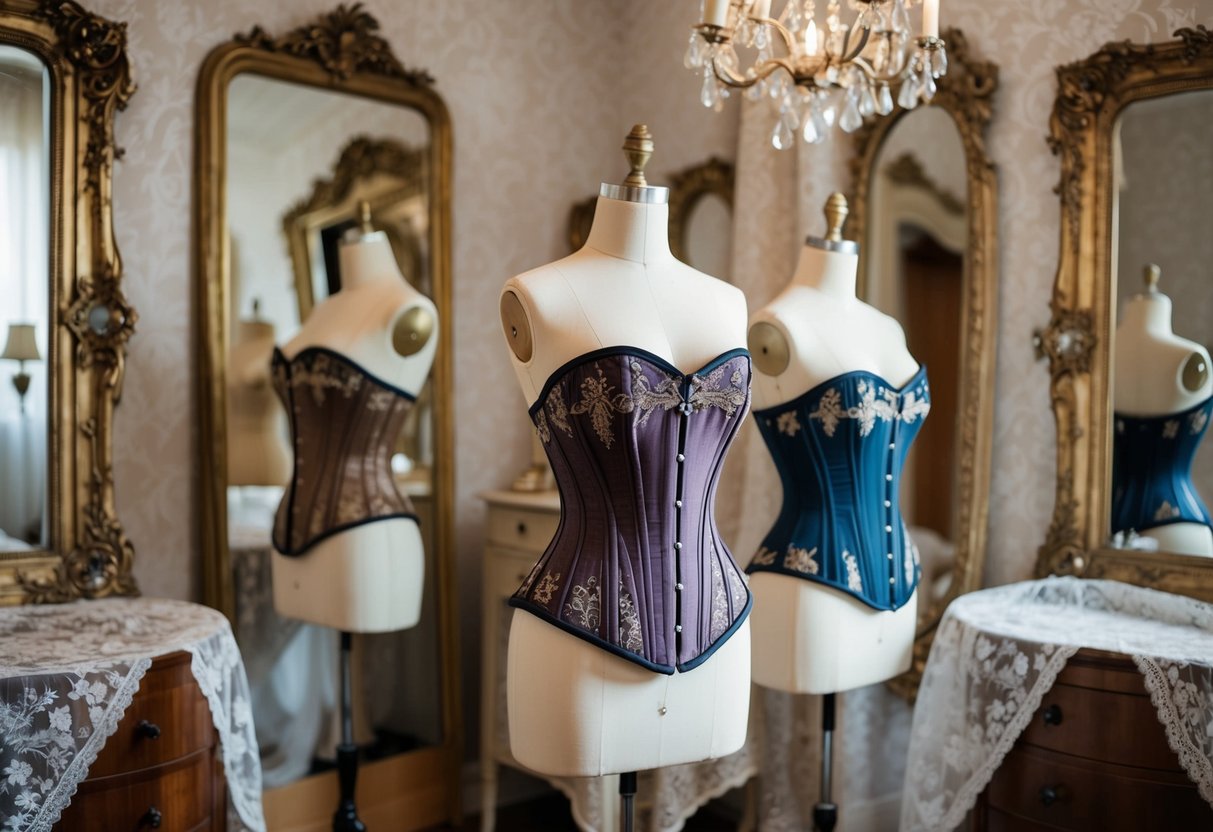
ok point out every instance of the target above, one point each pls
(836, 212)
(1150, 276)
(638, 148)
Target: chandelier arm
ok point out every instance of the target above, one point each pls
(761, 72)
(789, 40)
(863, 41)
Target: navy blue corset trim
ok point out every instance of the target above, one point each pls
(344, 425)
(840, 448)
(637, 566)
(1152, 469)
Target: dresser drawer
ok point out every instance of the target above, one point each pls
(526, 529)
(1079, 721)
(174, 796)
(168, 719)
(1066, 792)
(507, 569)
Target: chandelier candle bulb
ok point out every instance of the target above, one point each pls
(716, 12)
(762, 9)
(930, 18)
(810, 39)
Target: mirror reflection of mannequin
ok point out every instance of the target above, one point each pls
(600, 679)
(1162, 402)
(258, 452)
(349, 551)
(834, 591)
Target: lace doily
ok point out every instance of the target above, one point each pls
(998, 652)
(68, 673)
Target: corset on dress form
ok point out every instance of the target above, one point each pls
(637, 565)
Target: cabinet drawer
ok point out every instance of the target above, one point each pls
(1070, 793)
(519, 528)
(168, 719)
(1075, 720)
(507, 569)
(179, 794)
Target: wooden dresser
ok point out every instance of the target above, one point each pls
(161, 769)
(1095, 757)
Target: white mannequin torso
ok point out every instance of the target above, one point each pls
(809, 638)
(1157, 373)
(368, 578)
(258, 452)
(574, 708)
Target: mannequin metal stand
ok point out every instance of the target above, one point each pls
(825, 812)
(627, 795)
(345, 819)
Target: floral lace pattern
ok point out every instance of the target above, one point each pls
(68, 674)
(998, 652)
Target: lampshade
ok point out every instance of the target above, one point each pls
(21, 345)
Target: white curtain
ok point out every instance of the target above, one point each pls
(778, 200)
(24, 277)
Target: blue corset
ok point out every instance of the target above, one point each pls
(839, 449)
(1152, 469)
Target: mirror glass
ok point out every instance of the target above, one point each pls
(913, 270)
(300, 161)
(709, 236)
(25, 309)
(1161, 380)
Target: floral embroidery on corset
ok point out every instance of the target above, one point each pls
(646, 398)
(586, 607)
(596, 400)
(1166, 511)
(1197, 421)
(788, 423)
(763, 557)
(853, 580)
(706, 391)
(736, 588)
(323, 374)
(829, 411)
(629, 621)
(720, 601)
(802, 560)
(1170, 429)
(871, 408)
(541, 427)
(914, 408)
(560, 411)
(530, 577)
(547, 587)
(381, 401)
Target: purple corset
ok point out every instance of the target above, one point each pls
(637, 565)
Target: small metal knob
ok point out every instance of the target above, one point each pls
(1052, 715)
(522, 528)
(1051, 794)
(148, 730)
(152, 818)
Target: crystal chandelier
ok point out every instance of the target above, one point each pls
(818, 74)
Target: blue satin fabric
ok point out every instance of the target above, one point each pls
(1152, 469)
(839, 449)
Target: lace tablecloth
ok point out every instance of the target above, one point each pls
(68, 673)
(999, 651)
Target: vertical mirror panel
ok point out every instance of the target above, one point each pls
(1162, 265)
(914, 267)
(288, 206)
(24, 301)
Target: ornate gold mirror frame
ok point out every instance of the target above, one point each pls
(967, 94)
(338, 52)
(1091, 96)
(90, 319)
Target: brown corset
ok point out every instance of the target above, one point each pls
(344, 425)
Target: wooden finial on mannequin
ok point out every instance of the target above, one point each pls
(638, 148)
(1150, 276)
(836, 212)
(364, 217)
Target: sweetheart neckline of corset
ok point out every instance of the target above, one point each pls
(919, 373)
(279, 355)
(560, 372)
(1179, 414)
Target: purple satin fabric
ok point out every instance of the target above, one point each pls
(637, 565)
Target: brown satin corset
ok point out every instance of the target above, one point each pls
(344, 424)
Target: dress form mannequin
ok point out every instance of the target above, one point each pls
(1158, 373)
(368, 578)
(810, 638)
(257, 449)
(574, 708)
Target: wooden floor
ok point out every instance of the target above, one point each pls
(551, 814)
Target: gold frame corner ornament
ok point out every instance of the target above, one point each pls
(967, 94)
(91, 321)
(1091, 95)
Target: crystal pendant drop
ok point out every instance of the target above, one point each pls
(939, 63)
(709, 95)
(726, 56)
(928, 87)
(900, 20)
(694, 56)
(756, 92)
(814, 127)
(907, 96)
(884, 100)
(850, 120)
(781, 136)
(867, 101)
(828, 110)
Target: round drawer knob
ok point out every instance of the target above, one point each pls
(1051, 794)
(152, 819)
(521, 528)
(1052, 715)
(148, 730)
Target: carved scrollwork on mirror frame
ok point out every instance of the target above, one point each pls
(1092, 95)
(86, 552)
(966, 93)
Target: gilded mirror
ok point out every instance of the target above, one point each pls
(64, 322)
(924, 214)
(1131, 330)
(301, 138)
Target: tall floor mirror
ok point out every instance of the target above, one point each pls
(303, 139)
(925, 214)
